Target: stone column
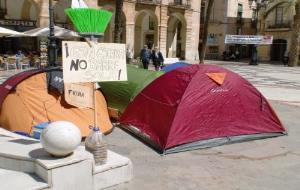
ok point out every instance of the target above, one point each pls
(172, 37)
(130, 34)
(188, 35)
(129, 11)
(43, 19)
(162, 27)
(192, 35)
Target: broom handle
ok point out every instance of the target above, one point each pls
(95, 107)
(92, 38)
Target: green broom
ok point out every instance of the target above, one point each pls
(89, 21)
(92, 23)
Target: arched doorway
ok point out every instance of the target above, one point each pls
(60, 17)
(176, 38)
(29, 10)
(278, 49)
(146, 31)
(21, 16)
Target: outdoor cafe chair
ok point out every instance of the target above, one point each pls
(24, 62)
(10, 62)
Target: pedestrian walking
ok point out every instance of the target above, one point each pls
(145, 56)
(157, 58)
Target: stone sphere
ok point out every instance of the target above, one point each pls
(60, 138)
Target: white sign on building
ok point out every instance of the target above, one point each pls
(248, 39)
(83, 62)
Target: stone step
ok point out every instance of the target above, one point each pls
(20, 181)
(24, 160)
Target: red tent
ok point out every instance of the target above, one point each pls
(200, 106)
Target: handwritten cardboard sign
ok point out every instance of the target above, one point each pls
(79, 94)
(98, 62)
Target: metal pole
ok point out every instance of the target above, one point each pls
(52, 43)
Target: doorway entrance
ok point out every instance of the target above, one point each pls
(278, 48)
(149, 39)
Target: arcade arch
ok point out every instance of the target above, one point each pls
(21, 13)
(176, 36)
(146, 30)
(59, 11)
(29, 10)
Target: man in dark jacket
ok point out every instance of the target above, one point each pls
(157, 58)
(145, 56)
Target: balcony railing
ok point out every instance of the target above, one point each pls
(283, 25)
(151, 2)
(180, 4)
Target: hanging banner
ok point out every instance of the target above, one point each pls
(248, 39)
(94, 62)
(79, 94)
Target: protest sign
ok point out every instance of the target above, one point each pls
(248, 39)
(98, 62)
(79, 94)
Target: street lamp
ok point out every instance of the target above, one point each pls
(256, 5)
(52, 43)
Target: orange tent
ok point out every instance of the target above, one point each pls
(31, 103)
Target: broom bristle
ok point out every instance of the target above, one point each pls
(88, 20)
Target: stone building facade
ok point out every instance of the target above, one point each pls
(278, 24)
(232, 17)
(171, 25)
